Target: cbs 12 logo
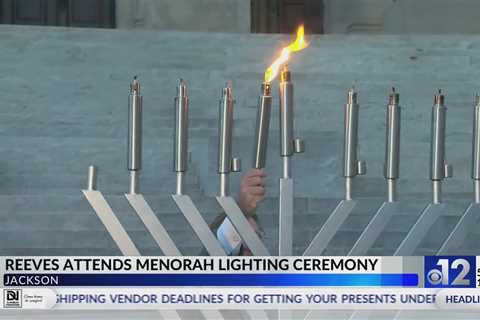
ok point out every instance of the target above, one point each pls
(450, 272)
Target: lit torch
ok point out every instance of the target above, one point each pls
(265, 102)
(297, 45)
(288, 144)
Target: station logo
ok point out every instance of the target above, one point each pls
(450, 272)
(12, 298)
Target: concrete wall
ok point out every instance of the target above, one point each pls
(184, 15)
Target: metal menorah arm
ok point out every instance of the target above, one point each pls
(391, 173)
(470, 216)
(460, 232)
(420, 229)
(351, 168)
(198, 224)
(153, 224)
(114, 227)
(374, 228)
(243, 227)
(289, 146)
(110, 221)
(330, 228)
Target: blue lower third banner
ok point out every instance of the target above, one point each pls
(233, 283)
(220, 279)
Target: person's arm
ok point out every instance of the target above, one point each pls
(252, 192)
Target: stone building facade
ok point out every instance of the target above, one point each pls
(402, 16)
(184, 15)
(339, 16)
(255, 16)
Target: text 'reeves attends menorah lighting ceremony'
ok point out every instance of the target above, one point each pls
(240, 159)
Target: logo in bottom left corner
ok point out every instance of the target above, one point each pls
(12, 298)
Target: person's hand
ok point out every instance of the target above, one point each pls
(252, 190)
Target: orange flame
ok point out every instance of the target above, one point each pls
(297, 45)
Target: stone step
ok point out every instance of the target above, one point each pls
(91, 242)
(85, 239)
(88, 251)
(52, 165)
(60, 222)
(165, 207)
(92, 127)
